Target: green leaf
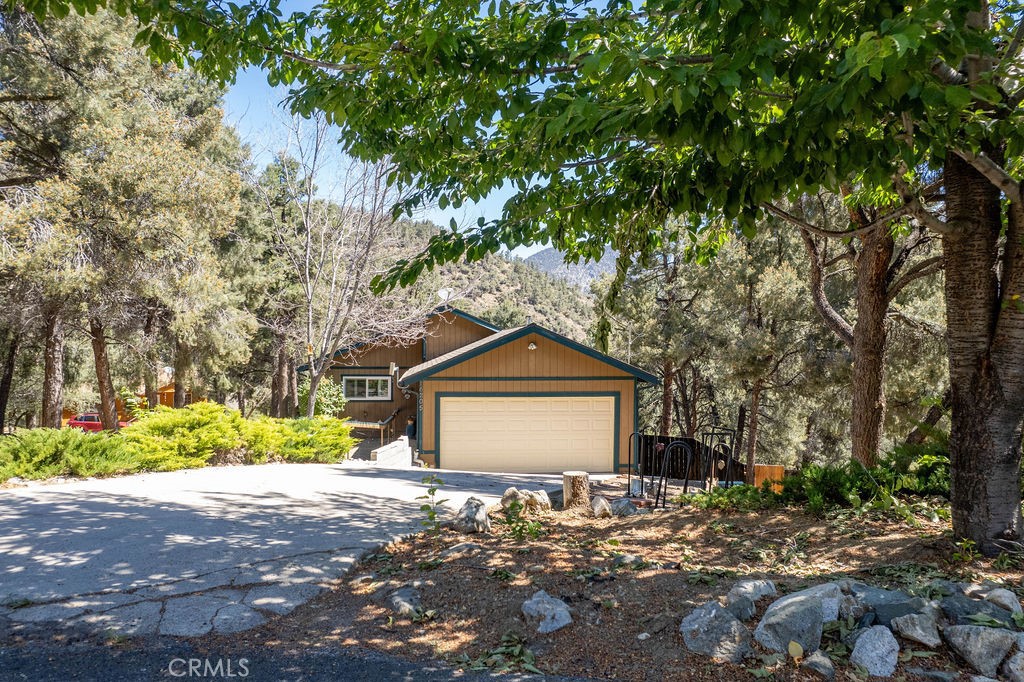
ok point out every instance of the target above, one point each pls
(958, 96)
(429, 36)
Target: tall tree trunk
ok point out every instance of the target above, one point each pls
(108, 400)
(8, 376)
(240, 397)
(667, 371)
(869, 343)
(314, 387)
(182, 366)
(741, 425)
(292, 404)
(755, 409)
(150, 379)
(985, 331)
(279, 386)
(53, 367)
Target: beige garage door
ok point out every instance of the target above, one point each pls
(528, 434)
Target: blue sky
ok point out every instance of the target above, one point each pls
(254, 108)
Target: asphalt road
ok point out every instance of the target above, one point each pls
(218, 549)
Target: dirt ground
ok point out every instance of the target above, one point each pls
(625, 619)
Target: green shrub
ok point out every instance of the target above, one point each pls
(330, 397)
(45, 453)
(167, 439)
(743, 498)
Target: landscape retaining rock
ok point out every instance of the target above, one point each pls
(1013, 669)
(820, 663)
(552, 613)
(877, 651)
(752, 590)
(405, 601)
(983, 648)
(1005, 599)
(472, 518)
(918, 627)
(741, 607)
(623, 507)
(799, 617)
(513, 496)
(538, 500)
(712, 631)
(959, 608)
(599, 504)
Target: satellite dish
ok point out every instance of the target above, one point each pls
(444, 294)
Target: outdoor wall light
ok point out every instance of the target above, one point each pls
(532, 346)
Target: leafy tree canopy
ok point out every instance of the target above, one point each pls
(608, 116)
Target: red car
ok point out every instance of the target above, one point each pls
(89, 421)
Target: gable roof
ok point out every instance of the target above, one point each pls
(459, 355)
(439, 310)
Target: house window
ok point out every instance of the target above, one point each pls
(367, 388)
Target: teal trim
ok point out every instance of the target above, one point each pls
(472, 318)
(511, 335)
(616, 378)
(617, 395)
(340, 368)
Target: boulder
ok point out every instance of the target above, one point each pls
(752, 590)
(1013, 669)
(538, 500)
(918, 627)
(626, 561)
(472, 517)
(741, 607)
(819, 662)
(877, 651)
(552, 613)
(797, 617)
(872, 597)
(959, 608)
(514, 496)
(712, 631)
(459, 549)
(1005, 599)
(599, 504)
(623, 507)
(405, 601)
(884, 613)
(983, 648)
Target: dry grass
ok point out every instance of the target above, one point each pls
(692, 557)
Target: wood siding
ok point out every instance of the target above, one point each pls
(447, 332)
(375, 361)
(550, 359)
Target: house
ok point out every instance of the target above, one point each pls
(524, 399)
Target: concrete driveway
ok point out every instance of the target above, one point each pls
(222, 549)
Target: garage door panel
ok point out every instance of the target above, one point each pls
(527, 434)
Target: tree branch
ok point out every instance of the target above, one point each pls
(928, 266)
(839, 326)
(993, 172)
(815, 230)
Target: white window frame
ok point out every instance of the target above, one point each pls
(366, 378)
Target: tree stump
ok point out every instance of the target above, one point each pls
(575, 489)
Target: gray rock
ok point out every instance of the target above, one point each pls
(918, 627)
(236, 618)
(1004, 598)
(599, 504)
(884, 613)
(877, 651)
(752, 590)
(959, 608)
(982, 678)
(819, 662)
(872, 597)
(712, 631)
(513, 496)
(849, 607)
(934, 675)
(945, 588)
(472, 518)
(983, 648)
(626, 561)
(1013, 669)
(866, 620)
(405, 601)
(552, 613)
(623, 507)
(741, 607)
(557, 498)
(797, 617)
(538, 500)
(461, 548)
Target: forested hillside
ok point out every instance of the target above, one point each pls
(580, 275)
